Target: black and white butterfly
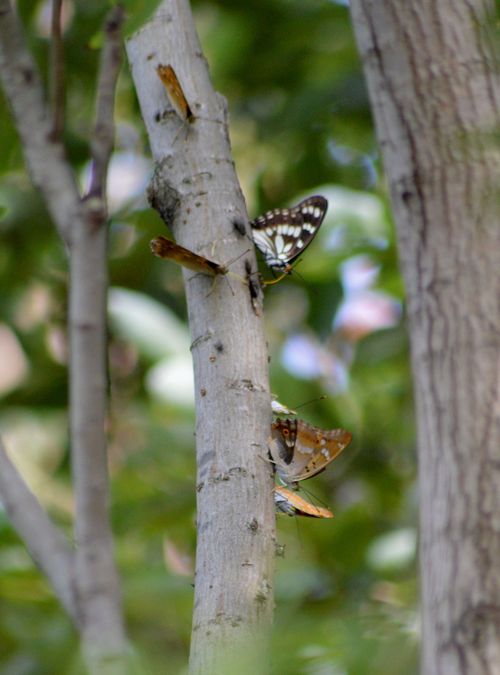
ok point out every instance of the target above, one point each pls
(282, 234)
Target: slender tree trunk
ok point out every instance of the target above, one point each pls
(436, 101)
(195, 189)
(85, 580)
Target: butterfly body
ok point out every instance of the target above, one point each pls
(283, 234)
(279, 408)
(300, 450)
(292, 504)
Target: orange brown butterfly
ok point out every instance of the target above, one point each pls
(175, 92)
(292, 504)
(300, 450)
(169, 250)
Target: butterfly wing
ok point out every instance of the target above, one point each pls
(165, 248)
(301, 450)
(327, 446)
(275, 234)
(281, 447)
(283, 234)
(292, 504)
(175, 92)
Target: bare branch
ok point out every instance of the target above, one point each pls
(57, 72)
(44, 156)
(98, 585)
(46, 544)
(83, 226)
(104, 129)
(97, 577)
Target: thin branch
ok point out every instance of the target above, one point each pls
(46, 544)
(91, 584)
(57, 71)
(104, 129)
(97, 577)
(44, 156)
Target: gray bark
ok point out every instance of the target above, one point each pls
(86, 581)
(46, 543)
(435, 93)
(196, 190)
(44, 155)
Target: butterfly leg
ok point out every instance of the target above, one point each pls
(184, 127)
(281, 276)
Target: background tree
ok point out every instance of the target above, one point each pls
(435, 90)
(300, 124)
(84, 578)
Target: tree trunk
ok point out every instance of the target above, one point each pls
(195, 189)
(436, 101)
(86, 580)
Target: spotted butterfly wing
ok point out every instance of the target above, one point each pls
(293, 504)
(282, 234)
(300, 450)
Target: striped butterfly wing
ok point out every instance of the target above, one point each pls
(282, 235)
(300, 450)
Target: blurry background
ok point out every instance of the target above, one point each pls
(300, 124)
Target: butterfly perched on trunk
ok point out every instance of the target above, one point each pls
(292, 504)
(300, 450)
(175, 92)
(282, 234)
(169, 250)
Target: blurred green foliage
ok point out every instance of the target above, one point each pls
(300, 124)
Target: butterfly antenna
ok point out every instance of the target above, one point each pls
(184, 127)
(293, 270)
(216, 276)
(313, 400)
(230, 287)
(298, 273)
(237, 258)
(313, 497)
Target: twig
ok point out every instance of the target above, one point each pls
(104, 129)
(44, 156)
(47, 545)
(57, 71)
